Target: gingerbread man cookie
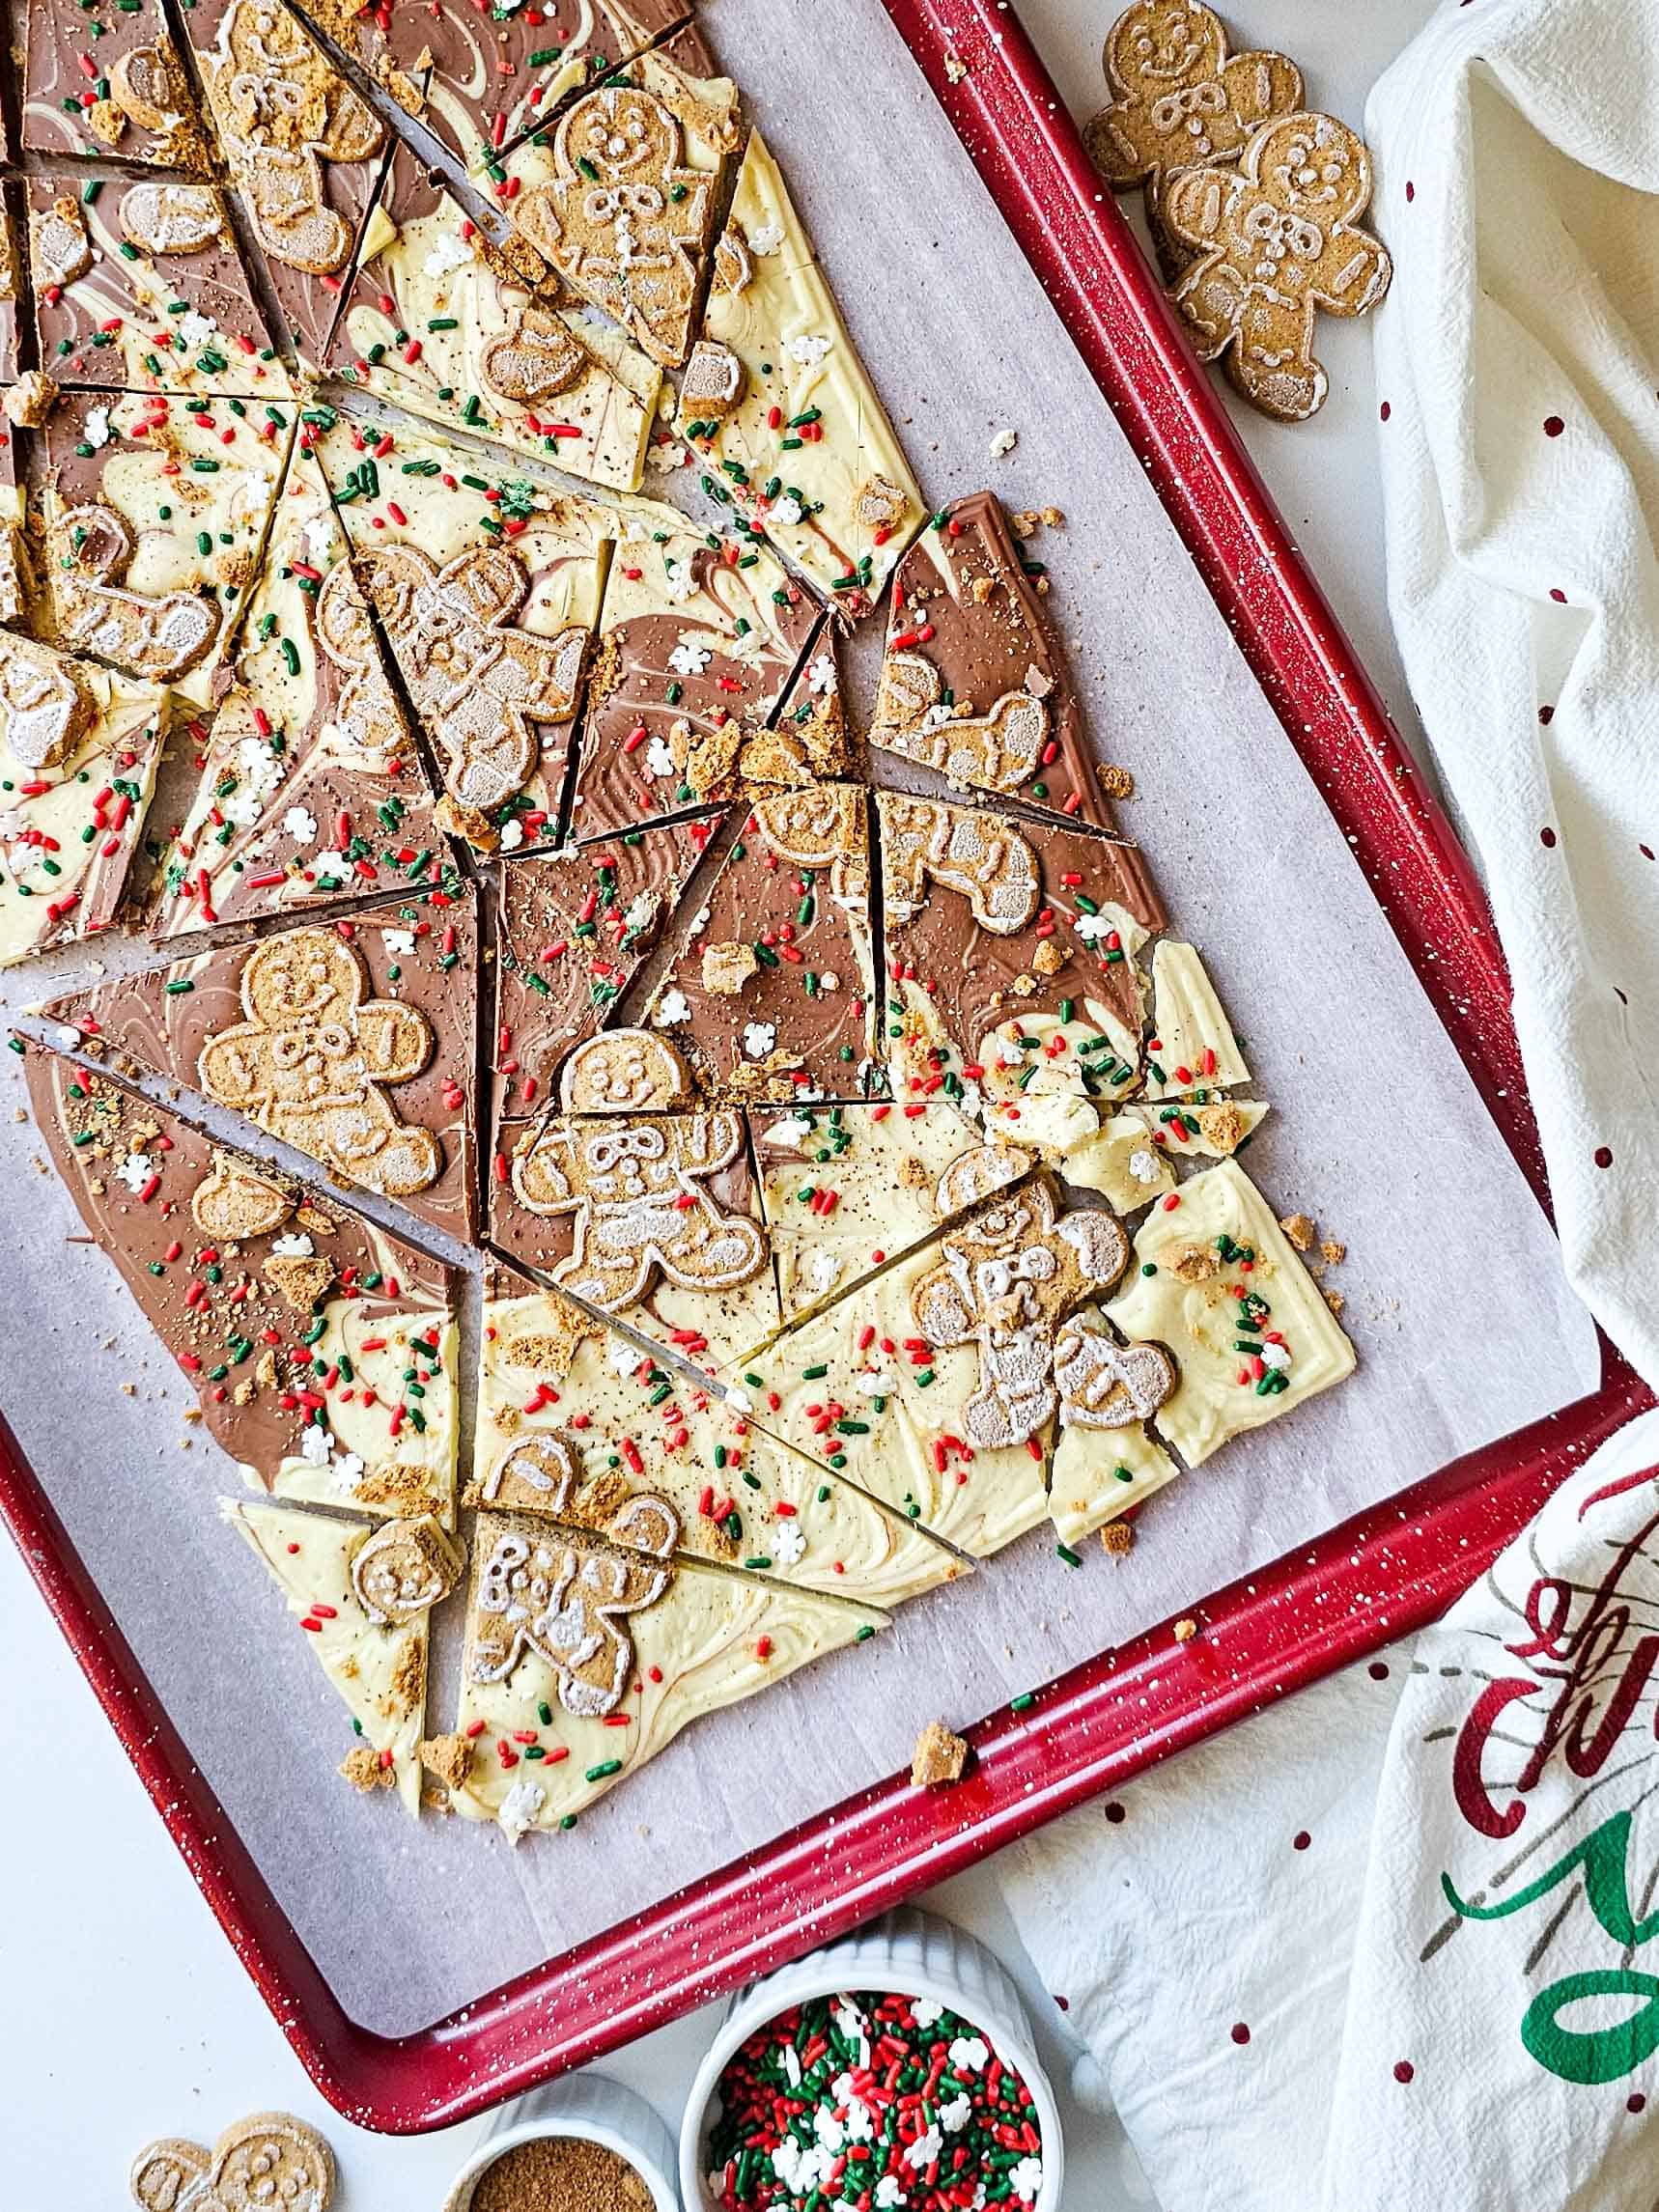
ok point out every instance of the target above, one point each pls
(236, 1200)
(282, 112)
(623, 217)
(1008, 1276)
(309, 1061)
(172, 218)
(267, 2159)
(638, 1191)
(998, 750)
(368, 716)
(981, 855)
(539, 1477)
(478, 683)
(43, 711)
(159, 638)
(1276, 242)
(566, 1599)
(822, 827)
(1106, 1385)
(1179, 102)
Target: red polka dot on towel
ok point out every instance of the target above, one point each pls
(1546, 716)
(1559, 596)
(1547, 836)
(1603, 1155)
(1240, 2032)
(1404, 2070)
(1554, 425)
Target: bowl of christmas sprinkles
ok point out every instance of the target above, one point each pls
(585, 2144)
(896, 2069)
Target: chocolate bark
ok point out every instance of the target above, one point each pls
(573, 931)
(304, 150)
(699, 640)
(290, 1318)
(484, 588)
(1011, 975)
(355, 1041)
(152, 519)
(481, 79)
(976, 684)
(471, 336)
(109, 81)
(312, 789)
(140, 283)
(770, 989)
(807, 740)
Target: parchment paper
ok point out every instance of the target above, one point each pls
(1455, 1301)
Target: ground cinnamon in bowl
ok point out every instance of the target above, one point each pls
(559, 2173)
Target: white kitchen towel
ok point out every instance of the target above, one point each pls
(1404, 2050)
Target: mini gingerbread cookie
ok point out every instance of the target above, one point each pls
(267, 2159)
(1180, 102)
(1277, 239)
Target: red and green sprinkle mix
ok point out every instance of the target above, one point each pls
(865, 2103)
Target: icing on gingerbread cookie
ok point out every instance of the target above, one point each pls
(998, 750)
(368, 717)
(1178, 101)
(479, 683)
(267, 2159)
(637, 1190)
(309, 1061)
(566, 1600)
(623, 217)
(535, 358)
(171, 218)
(403, 1570)
(282, 113)
(1008, 1276)
(981, 855)
(1106, 1385)
(43, 711)
(539, 1477)
(236, 1200)
(1276, 242)
(158, 638)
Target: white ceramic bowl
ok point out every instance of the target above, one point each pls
(588, 2105)
(912, 1954)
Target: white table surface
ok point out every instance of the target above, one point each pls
(126, 2013)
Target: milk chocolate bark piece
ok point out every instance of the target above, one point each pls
(152, 519)
(109, 81)
(139, 283)
(698, 639)
(472, 337)
(776, 395)
(79, 746)
(304, 150)
(621, 197)
(974, 684)
(1011, 976)
(312, 789)
(484, 589)
(11, 359)
(572, 932)
(769, 992)
(353, 1041)
(481, 80)
(574, 1423)
(321, 1348)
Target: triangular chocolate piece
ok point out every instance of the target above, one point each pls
(123, 94)
(355, 1041)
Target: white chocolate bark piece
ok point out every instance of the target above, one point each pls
(862, 1390)
(450, 329)
(79, 746)
(390, 1444)
(579, 1420)
(377, 1666)
(1130, 1160)
(846, 1189)
(1192, 1047)
(1100, 1474)
(1224, 1273)
(607, 1635)
(486, 588)
(813, 459)
(153, 519)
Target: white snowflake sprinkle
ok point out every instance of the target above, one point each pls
(788, 1549)
(759, 1038)
(794, 1129)
(1275, 1356)
(520, 1809)
(969, 2055)
(889, 2194)
(449, 251)
(345, 1472)
(197, 329)
(512, 834)
(921, 2153)
(926, 2010)
(399, 944)
(678, 581)
(95, 429)
(689, 658)
(808, 349)
(821, 675)
(672, 1008)
(316, 1446)
(1025, 2179)
(766, 238)
(296, 1246)
(134, 1170)
(301, 826)
(788, 510)
(954, 2117)
(1143, 1165)
(1091, 927)
(659, 759)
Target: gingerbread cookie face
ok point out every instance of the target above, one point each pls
(624, 218)
(312, 1059)
(1004, 1281)
(1106, 1385)
(566, 1600)
(269, 2158)
(629, 1072)
(1277, 240)
(403, 1570)
(636, 1191)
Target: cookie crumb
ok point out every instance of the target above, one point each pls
(1185, 1628)
(955, 68)
(365, 1769)
(1300, 1229)
(1117, 1539)
(448, 1757)
(1335, 1299)
(1333, 1252)
(938, 1757)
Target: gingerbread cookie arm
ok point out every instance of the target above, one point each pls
(396, 1040)
(1195, 204)
(1260, 87)
(940, 1309)
(1354, 272)
(233, 1070)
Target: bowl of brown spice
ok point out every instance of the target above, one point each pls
(587, 2144)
